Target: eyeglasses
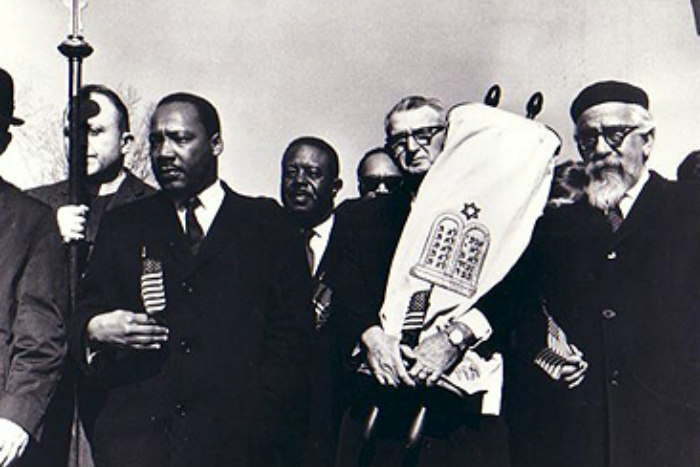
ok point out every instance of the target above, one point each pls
(423, 136)
(372, 182)
(613, 135)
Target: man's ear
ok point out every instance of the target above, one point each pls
(337, 185)
(126, 143)
(648, 143)
(217, 144)
(5, 138)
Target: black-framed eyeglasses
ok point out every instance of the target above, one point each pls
(372, 182)
(423, 136)
(614, 135)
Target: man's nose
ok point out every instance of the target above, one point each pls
(382, 189)
(300, 177)
(163, 149)
(411, 144)
(602, 147)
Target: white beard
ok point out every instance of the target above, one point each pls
(607, 186)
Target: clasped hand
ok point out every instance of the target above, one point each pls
(393, 364)
(574, 371)
(71, 220)
(125, 328)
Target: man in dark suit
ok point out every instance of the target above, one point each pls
(109, 185)
(189, 313)
(32, 304)
(310, 182)
(619, 271)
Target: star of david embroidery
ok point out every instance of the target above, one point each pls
(471, 211)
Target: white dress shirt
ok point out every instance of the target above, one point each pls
(210, 200)
(632, 194)
(319, 241)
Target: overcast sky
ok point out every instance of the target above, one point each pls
(332, 68)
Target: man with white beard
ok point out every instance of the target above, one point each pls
(619, 271)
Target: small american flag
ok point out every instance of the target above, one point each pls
(152, 287)
(554, 356)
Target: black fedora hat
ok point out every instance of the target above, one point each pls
(7, 100)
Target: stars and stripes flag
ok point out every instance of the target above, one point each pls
(152, 286)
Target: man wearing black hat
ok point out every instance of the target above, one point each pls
(619, 271)
(32, 302)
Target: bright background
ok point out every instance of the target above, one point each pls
(332, 68)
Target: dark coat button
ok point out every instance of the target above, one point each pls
(609, 314)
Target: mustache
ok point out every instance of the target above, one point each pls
(598, 168)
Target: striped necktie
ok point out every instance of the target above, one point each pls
(615, 218)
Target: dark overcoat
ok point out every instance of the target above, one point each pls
(630, 300)
(33, 301)
(56, 441)
(214, 395)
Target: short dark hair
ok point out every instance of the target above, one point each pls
(113, 97)
(321, 145)
(205, 109)
(372, 152)
(410, 103)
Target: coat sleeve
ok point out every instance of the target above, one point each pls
(38, 344)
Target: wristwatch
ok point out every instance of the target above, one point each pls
(457, 337)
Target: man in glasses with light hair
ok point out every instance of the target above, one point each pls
(619, 271)
(415, 134)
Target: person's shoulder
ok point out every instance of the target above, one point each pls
(138, 209)
(53, 194)
(260, 207)
(135, 184)
(29, 210)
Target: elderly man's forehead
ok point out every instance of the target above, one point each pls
(420, 117)
(610, 113)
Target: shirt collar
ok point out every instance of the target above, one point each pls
(324, 228)
(111, 187)
(212, 196)
(632, 194)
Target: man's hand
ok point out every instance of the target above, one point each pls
(433, 356)
(384, 357)
(13, 441)
(71, 220)
(574, 371)
(127, 329)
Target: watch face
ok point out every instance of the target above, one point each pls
(456, 337)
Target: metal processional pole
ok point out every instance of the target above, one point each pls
(75, 49)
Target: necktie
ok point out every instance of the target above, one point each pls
(615, 218)
(308, 235)
(193, 230)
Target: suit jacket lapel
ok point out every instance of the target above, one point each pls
(166, 226)
(644, 208)
(223, 230)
